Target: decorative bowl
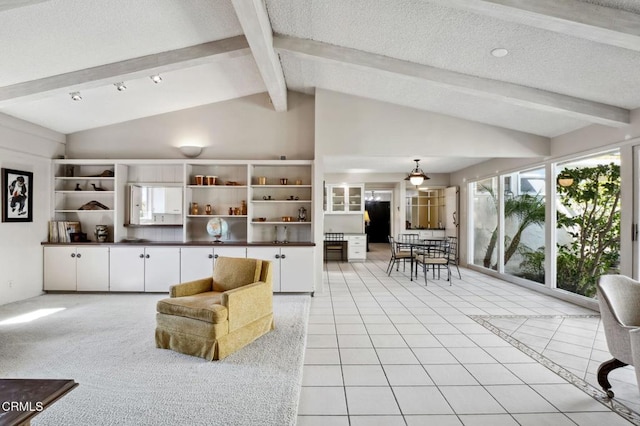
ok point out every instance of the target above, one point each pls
(259, 219)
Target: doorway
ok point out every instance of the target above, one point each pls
(379, 227)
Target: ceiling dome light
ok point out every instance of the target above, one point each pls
(156, 78)
(417, 176)
(499, 52)
(120, 86)
(75, 96)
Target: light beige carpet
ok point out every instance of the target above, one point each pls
(106, 343)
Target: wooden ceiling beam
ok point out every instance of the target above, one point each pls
(498, 91)
(255, 23)
(575, 18)
(128, 69)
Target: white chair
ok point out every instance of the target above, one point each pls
(619, 301)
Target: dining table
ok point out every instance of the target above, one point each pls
(422, 244)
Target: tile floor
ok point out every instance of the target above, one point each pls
(389, 351)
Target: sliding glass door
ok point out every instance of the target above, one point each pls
(588, 222)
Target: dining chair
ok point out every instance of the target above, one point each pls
(334, 242)
(453, 253)
(397, 256)
(436, 254)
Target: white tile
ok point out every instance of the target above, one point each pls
(358, 356)
(543, 419)
(376, 319)
(598, 419)
(422, 341)
(488, 340)
(321, 356)
(433, 420)
(455, 341)
(378, 420)
(568, 398)
(371, 400)
(321, 329)
(364, 375)
(434, 356)
(488, 420)
(388, 341)
(322, 341)
(396, 356)
(508, 355)
(534, 373)
(493, 374)
(472, 356)
(321, 319)
(442, 329)
(351, 329)
(354, 341)
(322, 375)
(348, 319)
(322, 401)
(421, 400)
(520, 399)
(471, 400)
(407, 375)
(406, 329)
(450, 374)
(381, 329)
(322, 421)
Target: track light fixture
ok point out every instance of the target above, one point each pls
(417, 176)
(75, 96)
(120, 86)
(156, 78)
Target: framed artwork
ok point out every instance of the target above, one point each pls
(17, 196)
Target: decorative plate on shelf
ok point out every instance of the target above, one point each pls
(217, 227)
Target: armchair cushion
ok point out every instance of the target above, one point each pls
(235, 272)
(214, 317)
(205, 306)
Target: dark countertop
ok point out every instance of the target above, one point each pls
(190, 244)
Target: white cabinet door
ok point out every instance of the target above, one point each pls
(161, 269)
(92, 268)
(229, 252)
(195, 263)
(60, 268)
(126, 269)
(356, 247)
(268, 253)
(296, 269)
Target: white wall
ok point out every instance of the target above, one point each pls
(24, 146)
(350, 125)
(245, 128)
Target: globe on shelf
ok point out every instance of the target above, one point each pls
(217, 227)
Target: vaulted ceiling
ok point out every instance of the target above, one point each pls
(570, 63)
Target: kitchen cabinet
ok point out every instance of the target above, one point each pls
(356, 247)
(198, 262)
(76, 268)
(149, 269)
(292, 267)
(345, 199)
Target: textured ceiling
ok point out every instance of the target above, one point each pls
(555, 79)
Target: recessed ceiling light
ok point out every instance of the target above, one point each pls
(499, 52)
(75, 96)
(156, 78)
(120, 86)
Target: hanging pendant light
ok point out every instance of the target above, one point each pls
(417, 176)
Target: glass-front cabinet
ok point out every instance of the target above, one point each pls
(345, 199)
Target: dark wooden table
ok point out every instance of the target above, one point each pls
(22, 399)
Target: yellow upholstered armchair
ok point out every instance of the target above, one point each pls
(215, 316)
